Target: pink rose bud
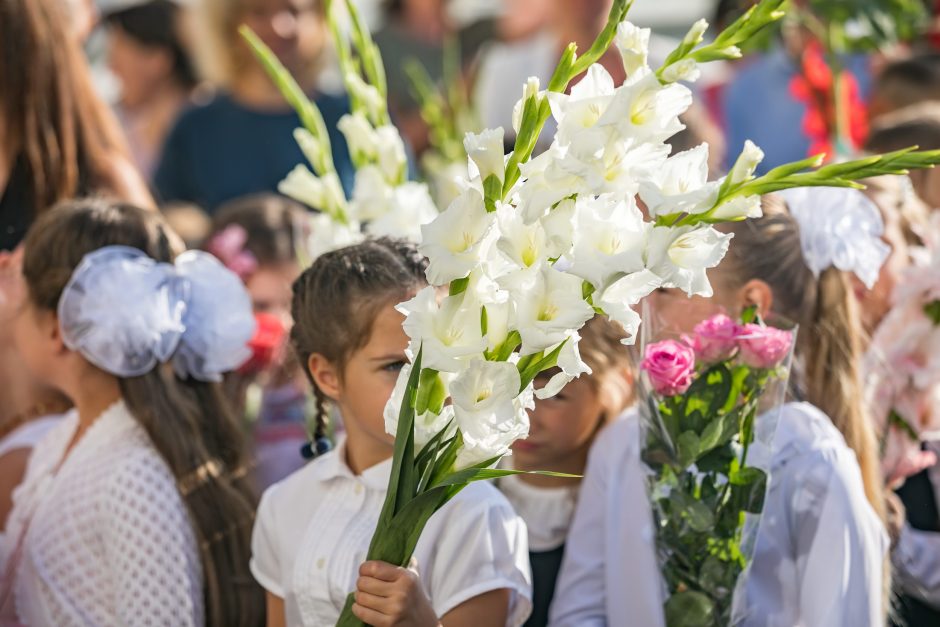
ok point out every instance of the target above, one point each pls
(716, 339)
(670, 366)
(764, 347)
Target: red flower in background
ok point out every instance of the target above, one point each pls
(814, 87)
(267, 344)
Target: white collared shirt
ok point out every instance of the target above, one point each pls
(819, 554)
(106, 538)
(313, 530)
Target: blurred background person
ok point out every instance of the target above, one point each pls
(147, 55)
(58, 139)
(241, 141)
(419, 30)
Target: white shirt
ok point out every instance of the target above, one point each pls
(108, 540)
(26, 436)
(313, 530)
(818, 559)
(547, 512)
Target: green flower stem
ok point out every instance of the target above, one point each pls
(536, 109)
(309, 113)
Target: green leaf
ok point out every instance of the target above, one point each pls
(932, 309)
(534, 367)
(688, 446)
(492, 191)
(689, 609)
(431, 393)
(482, 472)
(459, 286)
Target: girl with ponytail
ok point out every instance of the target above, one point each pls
(819, 558)
(135, 508)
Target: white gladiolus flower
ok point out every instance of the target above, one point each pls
(486, 150)
(680, 256)
(427, 425)
(313, 150)
(647, 110)
(617, 300)
(360, 136)
(327, 234)
(372, 195)
(523, 244)
(548, 307)
(530, 89)
(324, 193)
(546, 184)
(684, 70)
(579, 112)
(746, 163)
(738, 208)
(559, 228)
(609, 238)
(696, 33)
(489, 410)
(634, 45)
(410, 208)
(449, 333)
(681, 185)
(571, 365)
(369, 96)
(390, 152)
(456, 241)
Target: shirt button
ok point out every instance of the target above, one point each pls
(321, 563)
(358, 488)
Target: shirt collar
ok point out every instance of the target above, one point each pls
(333, 466)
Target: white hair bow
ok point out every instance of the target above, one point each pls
(126, 312)
(839, 227)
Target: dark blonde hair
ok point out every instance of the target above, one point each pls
(611, 366)
(189, 422)
(337, 299)
(830, 339)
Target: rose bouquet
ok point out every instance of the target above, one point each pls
(706, 399)
(533, 247)
(902, 369)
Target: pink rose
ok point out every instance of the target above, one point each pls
(670, 365)
(716, 339)
(764, 347)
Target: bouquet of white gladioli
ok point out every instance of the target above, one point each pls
(534, 247)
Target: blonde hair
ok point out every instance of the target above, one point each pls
(611, 367)
(830, 339)
(220, 54)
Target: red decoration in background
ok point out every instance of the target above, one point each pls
(266, 345)
(814, 87)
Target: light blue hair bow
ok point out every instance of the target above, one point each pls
(126, 313)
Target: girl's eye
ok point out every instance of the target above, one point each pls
(395, 366)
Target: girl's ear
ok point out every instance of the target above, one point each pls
(757, 293)
(325, 375)
(50, 326)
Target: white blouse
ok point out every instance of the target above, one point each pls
(547, 512)
(818, 558)
(105, 538)
(313, 530)
(26, 436)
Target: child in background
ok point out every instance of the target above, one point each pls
(916, 125)
(562, 430)
(257, 237)
(819, 558)
(313, 529)
(135, 507)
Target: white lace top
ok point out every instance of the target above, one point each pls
(313, 530)
(106, 538)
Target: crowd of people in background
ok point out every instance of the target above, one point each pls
(132, 494)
